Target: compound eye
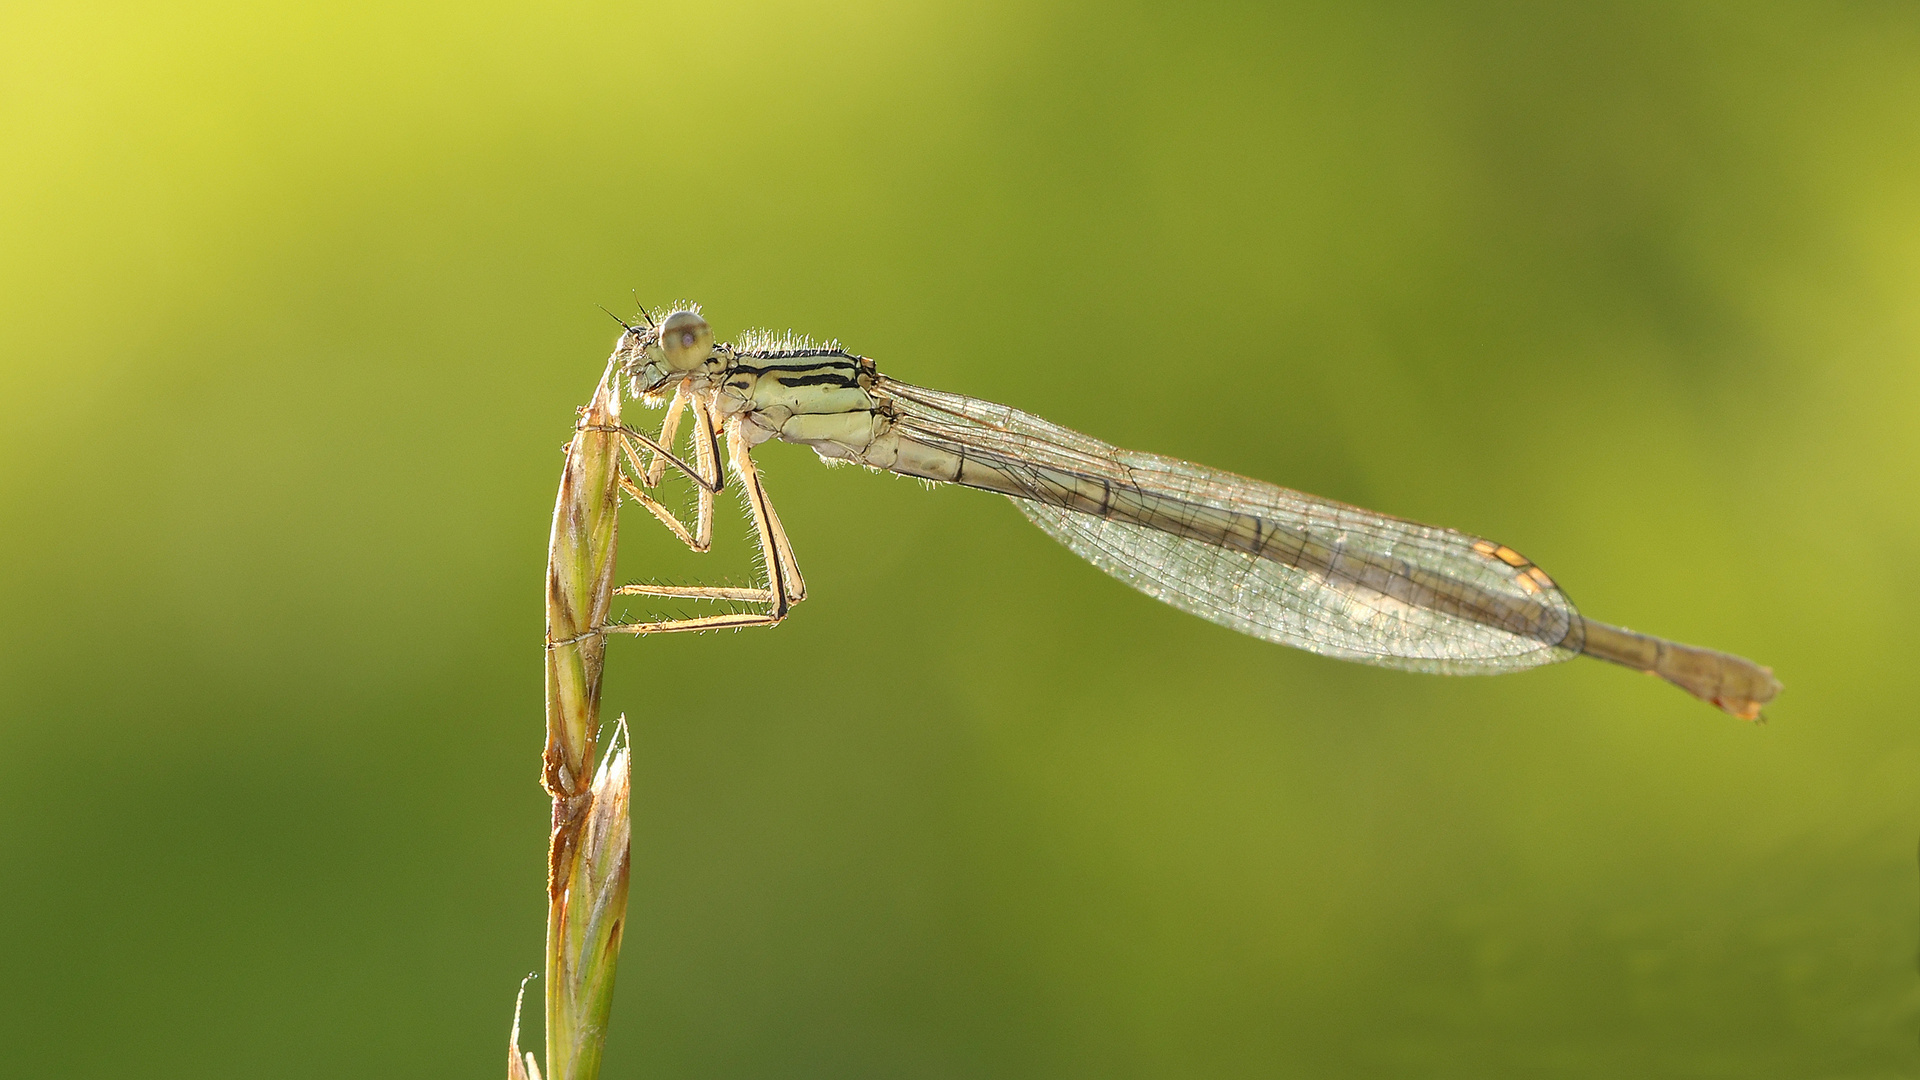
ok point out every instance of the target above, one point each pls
(687, 340)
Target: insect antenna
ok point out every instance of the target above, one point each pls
(619, 320)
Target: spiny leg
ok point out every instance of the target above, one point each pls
(706, 447)
(705, 473)
(784, 561)
(775, 550)
(783, 572)
(699, 538)
(669, 431)
(787, 566)
(697, 592)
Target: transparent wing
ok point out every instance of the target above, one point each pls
(1262, 559)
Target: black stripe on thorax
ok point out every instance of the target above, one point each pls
(824, 378)
(806, 369)
(801, 361)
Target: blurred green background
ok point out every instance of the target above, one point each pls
(300, 298)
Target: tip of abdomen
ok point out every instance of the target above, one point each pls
(1732, 683)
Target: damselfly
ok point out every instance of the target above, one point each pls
(1265, 560)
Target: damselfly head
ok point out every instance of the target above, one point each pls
(639, 357)
(656, 355)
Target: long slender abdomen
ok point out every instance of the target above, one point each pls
(1733, 683)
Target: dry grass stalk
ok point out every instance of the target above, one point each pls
(587, 867)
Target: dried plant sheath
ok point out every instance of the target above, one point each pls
(586, 527)
(589, 919)
(587, 869)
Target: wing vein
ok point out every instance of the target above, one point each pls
(1265, 560)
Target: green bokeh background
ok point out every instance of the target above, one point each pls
(299, 300)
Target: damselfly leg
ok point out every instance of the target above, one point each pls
(705, 473)
(785, 586)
